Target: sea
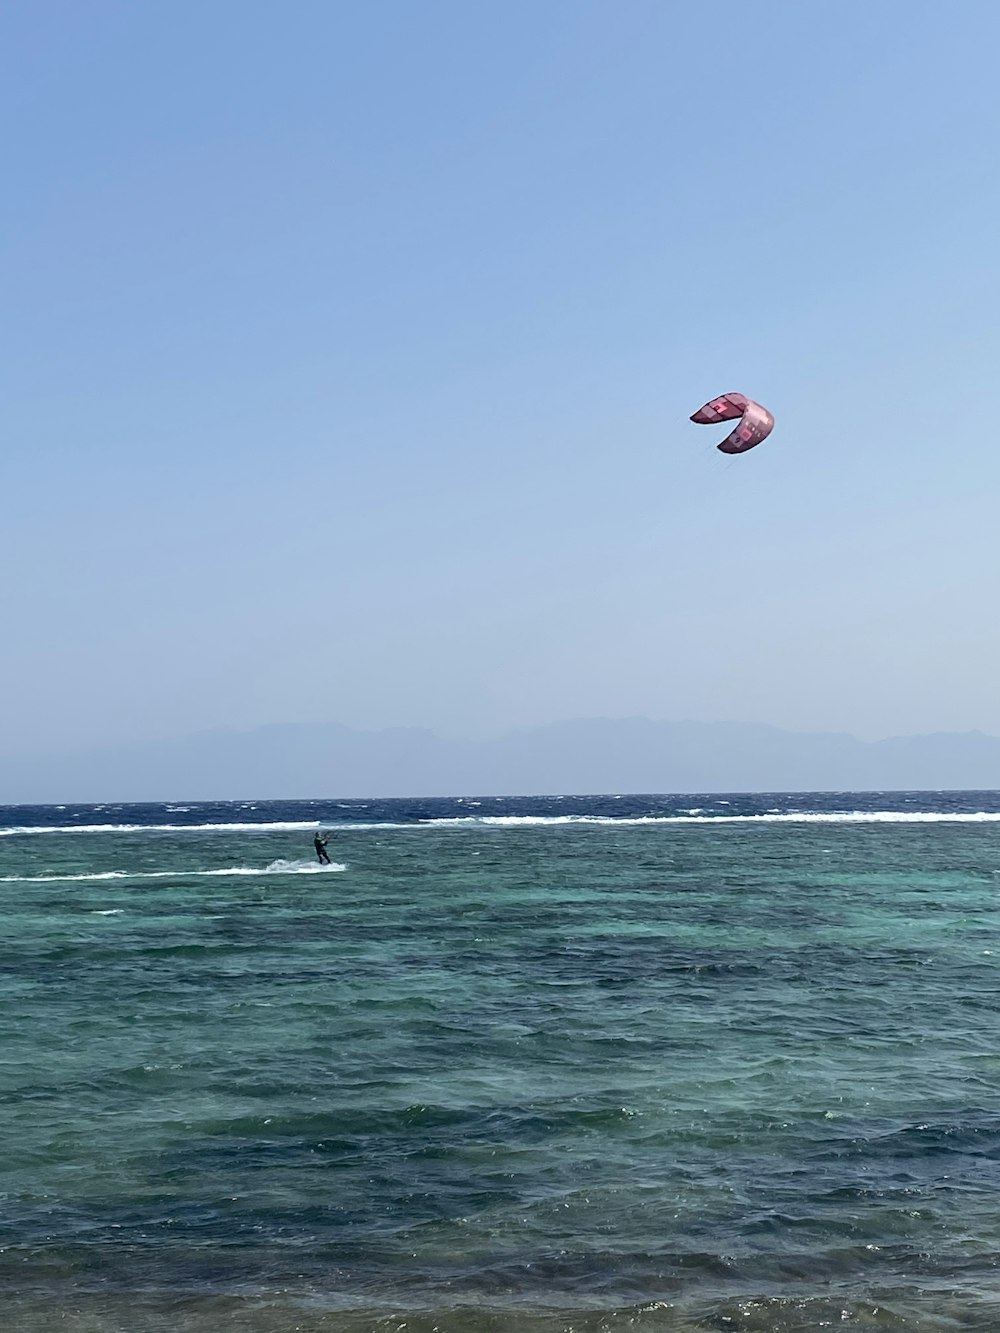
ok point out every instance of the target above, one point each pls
(668, 1064)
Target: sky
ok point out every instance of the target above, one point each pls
(348, 352)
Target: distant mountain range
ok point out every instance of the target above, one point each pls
(580, 757)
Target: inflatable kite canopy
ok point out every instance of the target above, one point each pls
(756, 422)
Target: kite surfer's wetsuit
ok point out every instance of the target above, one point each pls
(320, 844)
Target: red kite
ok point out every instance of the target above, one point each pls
(756, 422)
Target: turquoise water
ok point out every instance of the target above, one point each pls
(595, 1066)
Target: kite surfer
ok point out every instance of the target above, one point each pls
(319, 842)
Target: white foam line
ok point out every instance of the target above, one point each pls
(787, 817)
(276, 868)
(278, 827)
(541, 821)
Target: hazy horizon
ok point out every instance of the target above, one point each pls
(595, 755)
(487, 735)
(350, 351)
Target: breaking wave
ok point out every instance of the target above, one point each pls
(771, 817)
(694, 816)
(277, 826)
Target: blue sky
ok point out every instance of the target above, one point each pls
(348, 353)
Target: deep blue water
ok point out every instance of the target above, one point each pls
(425, 809)
(594, 1063)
